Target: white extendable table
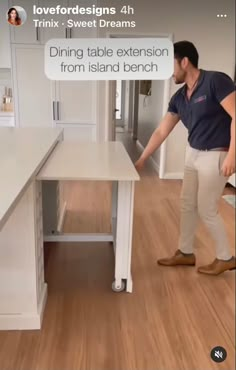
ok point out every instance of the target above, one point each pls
(107, 161)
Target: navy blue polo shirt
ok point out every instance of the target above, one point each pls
(207, 122)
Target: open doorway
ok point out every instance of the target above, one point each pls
(125, 106)
(135, 104)
(120, 103)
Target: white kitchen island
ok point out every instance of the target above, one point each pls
(23, 290)
(31, 158)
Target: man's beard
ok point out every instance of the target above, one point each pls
(178, 82)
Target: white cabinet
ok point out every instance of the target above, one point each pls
(41, 102)
(5, 52)
(80, 32)
(60, 32)
(7, 119)
(30, 33)
(27, 33)
(75, 102)
(32, 89)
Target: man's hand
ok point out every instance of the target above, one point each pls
(228, 167)
(140, 164)
(159, 135)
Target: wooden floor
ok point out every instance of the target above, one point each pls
(171, 321)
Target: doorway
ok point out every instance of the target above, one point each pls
(125, 106)
(134, 98)
(120, 103)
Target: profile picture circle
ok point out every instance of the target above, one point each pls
(16, 16)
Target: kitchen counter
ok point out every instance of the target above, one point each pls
(7, 119)
(6, 114)
(22, 152)
(23, 290)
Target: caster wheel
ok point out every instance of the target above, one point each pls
(118, 289)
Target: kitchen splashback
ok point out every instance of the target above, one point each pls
(5, 82)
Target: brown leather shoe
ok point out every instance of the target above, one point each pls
(179, 259)
(218, 266)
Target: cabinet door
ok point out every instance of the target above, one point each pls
(76, 102)
(80, 32)
(47, 33)
(27, 33)
(32, 90)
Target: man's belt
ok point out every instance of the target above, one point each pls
(215, 150)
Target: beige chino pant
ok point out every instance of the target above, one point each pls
(202, 189)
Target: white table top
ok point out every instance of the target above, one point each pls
(106, 161)
(22, 153)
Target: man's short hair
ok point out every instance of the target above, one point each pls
(186, 49)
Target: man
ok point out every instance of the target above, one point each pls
(206, 106)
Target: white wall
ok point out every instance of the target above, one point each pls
(126, 105)
(186, 20)
(5, 59)
(150, 114)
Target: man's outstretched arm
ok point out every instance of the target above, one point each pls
(159, 135)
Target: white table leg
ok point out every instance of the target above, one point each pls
(23, 291)
(114, 198)
(123, 241)
(114, 212)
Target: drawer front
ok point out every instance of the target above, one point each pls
(7, 121)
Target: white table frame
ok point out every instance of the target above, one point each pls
(121, 236)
